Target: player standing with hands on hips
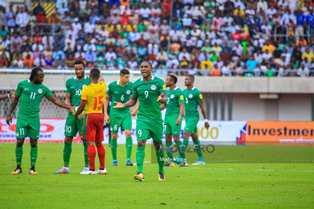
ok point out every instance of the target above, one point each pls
(151, 91)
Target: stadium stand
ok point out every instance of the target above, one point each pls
(208, 38)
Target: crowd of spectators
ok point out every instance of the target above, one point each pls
(204, 37)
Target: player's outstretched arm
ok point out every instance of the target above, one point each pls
(80, 110)
(57, 102)
(162, 98)
(135, 110)
(181, 114)
(107, 119)
(68, 99)
(130, 103)
(163, 106)
(12, 107)
(11, 94)
(201, 104)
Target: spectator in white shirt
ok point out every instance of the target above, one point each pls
(22, 19)
(267, 27)
(110, 55)
(303, 71)
(145, 12)
(185, 54)
(77, 26)
(262, 5)
(287, 17)
(88, 46)
(271, 11)
(89, 27)
(132, 64)
(63, 10)
(266, 55)
(175, 35)
(225, 70)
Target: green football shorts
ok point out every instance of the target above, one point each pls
(191, 124)
(116, 122)
(170, 126)
(27, 126)
(72, 126)
(149, 130)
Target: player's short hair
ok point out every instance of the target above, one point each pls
(174, 77)
(191, 76)
(124, 71)
(78, 62)
(95, 73)
(149, 63)
(35, 72)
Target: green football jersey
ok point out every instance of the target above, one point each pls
(74, 87)
(30, 97)
(119, 94)
(192, 98)
(174, 98)
(148, 92)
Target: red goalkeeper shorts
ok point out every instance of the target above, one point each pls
(93, 127)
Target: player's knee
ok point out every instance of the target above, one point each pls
(141, 143)
(128, 134)
(114, 135)
(33, 143)
(157, 145)
(19, 142)
(186, 135)
(68, 140)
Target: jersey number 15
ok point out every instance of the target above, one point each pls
(98, 102)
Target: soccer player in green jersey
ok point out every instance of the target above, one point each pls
(31, 92)
(173, 118)
(7, 96)
(193, 98)
(120, 91)
(151, 91)
(73, 91)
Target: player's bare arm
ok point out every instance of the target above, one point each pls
(80, 110)
(135, 110)
(130, 103)
(178, 121)
(163, 106)
(201, 104)
(12, 107)
(107, 119)
(162, 98)
(6, 96)
(68, 99)
(59, 103)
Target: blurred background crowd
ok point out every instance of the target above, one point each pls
(209, 38)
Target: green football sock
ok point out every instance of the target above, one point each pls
(185, 142)
(140, 155)
(169, 153)
(114, 145)
(86, 156)
(129, 146)
(34, 151)
(67, 150)
(18, 155)
(181, 150)
(198, 148)
(160, 160)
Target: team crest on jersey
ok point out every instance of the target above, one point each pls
(172, 96)
(191, 95)
(153, 87)
(83, 86)
(128, 92)
(17, 134)
(40, 91)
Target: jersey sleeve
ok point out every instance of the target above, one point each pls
(199, 96)
(109, 91)
(84, 94)
(67, 87)
(47, 92)
(134, 91)
(162, 87)
(19, 89)
(181, 97)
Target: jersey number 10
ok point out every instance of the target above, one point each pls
(98, 103)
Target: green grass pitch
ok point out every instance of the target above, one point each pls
(214, 185)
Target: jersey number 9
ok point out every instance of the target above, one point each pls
(146, 94)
